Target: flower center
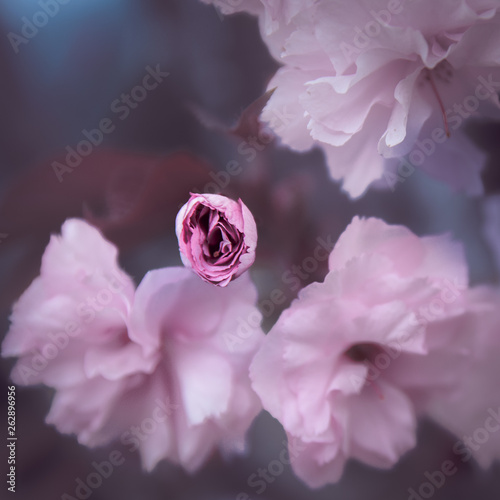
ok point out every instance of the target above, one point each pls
(363, 352)
(218, 243)
(220, 237)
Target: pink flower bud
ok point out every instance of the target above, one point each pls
(217, 237)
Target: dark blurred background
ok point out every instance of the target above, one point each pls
(64, 77)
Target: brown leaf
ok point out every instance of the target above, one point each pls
(249, 123)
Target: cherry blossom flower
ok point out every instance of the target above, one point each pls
(354, 360)
(384, 87)
(149, 366)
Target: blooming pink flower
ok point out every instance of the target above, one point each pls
(217, 237)
(155, 359)
(374, 83)
(348, 367)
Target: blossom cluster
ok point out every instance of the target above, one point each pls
(392, 333)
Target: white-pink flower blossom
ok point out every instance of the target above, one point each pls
(354, 360)
(381, 85)
(150, 366)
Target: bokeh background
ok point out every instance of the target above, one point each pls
(177, 139)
